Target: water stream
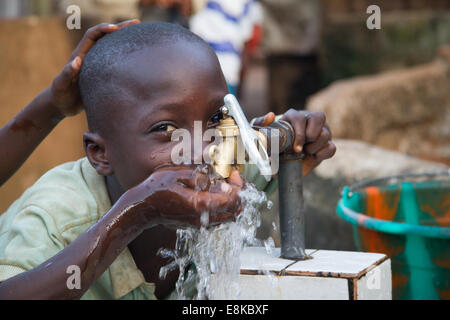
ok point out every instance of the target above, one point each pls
(216, 250)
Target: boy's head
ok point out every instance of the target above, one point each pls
(137, 85)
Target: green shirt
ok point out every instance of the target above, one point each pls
(52, 213)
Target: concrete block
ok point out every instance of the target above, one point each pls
(327, 275)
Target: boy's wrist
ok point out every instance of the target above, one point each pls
(55, 113)
(132, 210)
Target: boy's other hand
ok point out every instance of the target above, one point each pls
(65, 95)
(183, 196)
(312, 135)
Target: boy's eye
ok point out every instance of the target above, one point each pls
(215, 119)
(163, 127)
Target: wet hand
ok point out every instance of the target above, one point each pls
(312, 135)
(184, 196)
(64, 91)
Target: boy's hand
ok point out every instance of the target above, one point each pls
(312, 135)
(182, 196)
(64, 92)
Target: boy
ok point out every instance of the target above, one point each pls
(113, 210)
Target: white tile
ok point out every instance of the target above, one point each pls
(257, 259)
(336, 263)
(320, 278)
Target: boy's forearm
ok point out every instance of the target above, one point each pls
(92, 252)
(24, 133)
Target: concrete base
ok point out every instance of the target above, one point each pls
(328, 275)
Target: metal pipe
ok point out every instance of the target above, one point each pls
(290, 195)
(292, 215)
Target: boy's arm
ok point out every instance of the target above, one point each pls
(24, 133)
(139, 208)
(92, 252)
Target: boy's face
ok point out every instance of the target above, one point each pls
(161, 89)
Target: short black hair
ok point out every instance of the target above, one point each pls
(98, 69)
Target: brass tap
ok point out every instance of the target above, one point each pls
(226, 155)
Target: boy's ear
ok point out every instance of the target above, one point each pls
(95, 148)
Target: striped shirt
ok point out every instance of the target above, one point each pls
(226, 25)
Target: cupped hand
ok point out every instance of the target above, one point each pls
(182, 196)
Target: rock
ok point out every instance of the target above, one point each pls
(407, 110)
(356, 160)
